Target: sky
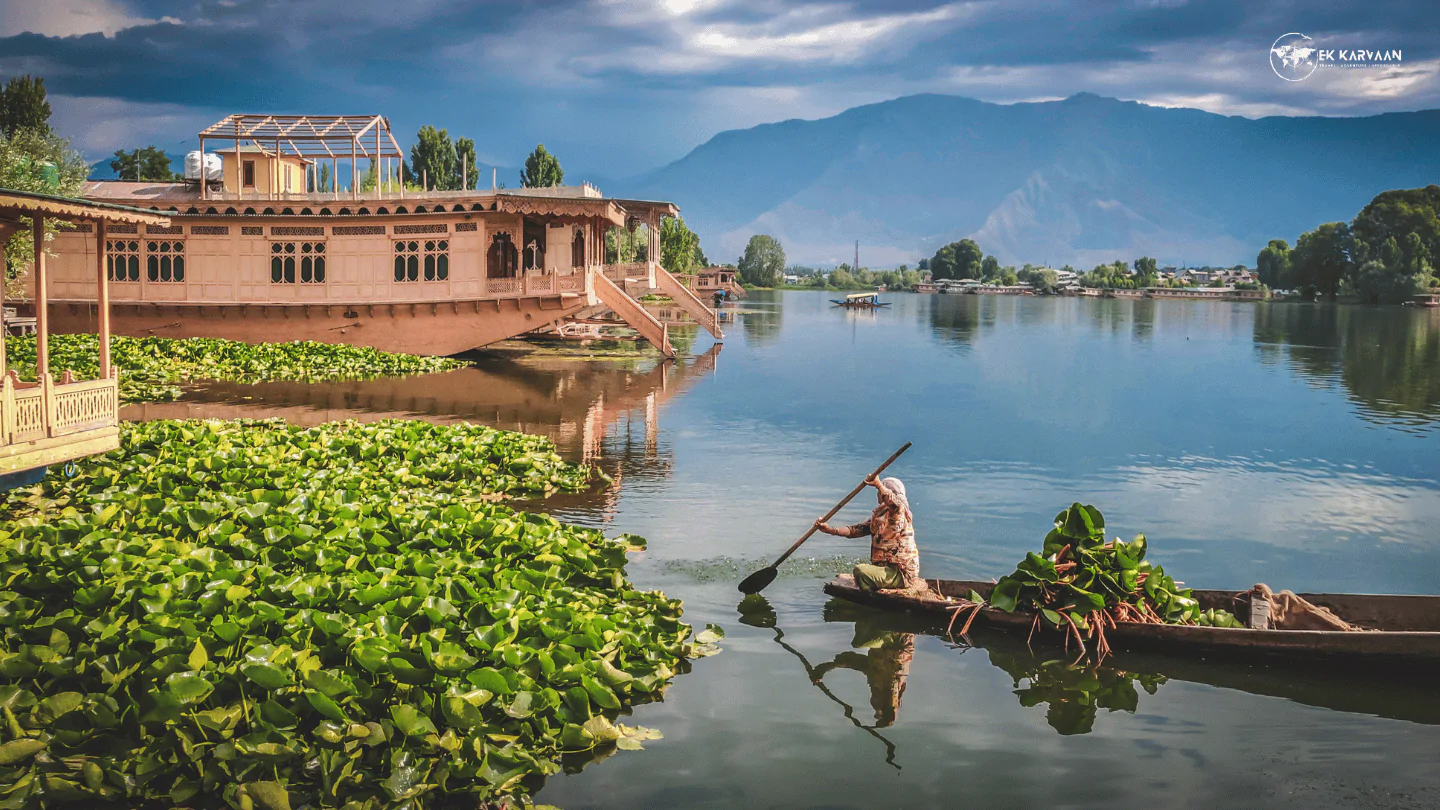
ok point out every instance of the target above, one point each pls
(618, 87)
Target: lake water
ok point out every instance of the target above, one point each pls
(1297, 445)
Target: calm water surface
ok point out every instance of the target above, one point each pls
(1295, 445)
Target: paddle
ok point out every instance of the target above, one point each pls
(761, 579)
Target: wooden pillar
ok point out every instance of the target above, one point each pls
(335, 177)
(204, 192)
(354, 169)
(42, 301)
(103, 278)
(378, 183)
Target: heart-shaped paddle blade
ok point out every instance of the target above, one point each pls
(758, 581)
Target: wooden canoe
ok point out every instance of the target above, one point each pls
(1398, 629)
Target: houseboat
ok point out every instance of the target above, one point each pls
(255, 249)
(57, 417)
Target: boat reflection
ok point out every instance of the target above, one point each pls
(1074, 692)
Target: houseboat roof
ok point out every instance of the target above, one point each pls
(862, 295)
(313, 136)
(70, 208)
(184, 198)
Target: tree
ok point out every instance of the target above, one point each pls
(1273, 264)
(38, 161)
(1046, 280)
(1008, 277)
(465, 160)
(23, 105)
(542, 170)
(432, 159)
(148, 163)
(763, 264)
(1397, 274)
(961, 259)
(1321, 258)
(623, 246)
(1145, 272)
(679, 246)
(989, 267)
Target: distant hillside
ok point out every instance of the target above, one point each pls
(1078, 181)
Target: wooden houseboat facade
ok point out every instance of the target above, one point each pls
(433, 272)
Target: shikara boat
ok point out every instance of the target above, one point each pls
(868, 300)
(1398, 630)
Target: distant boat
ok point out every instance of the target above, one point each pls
(868, 300)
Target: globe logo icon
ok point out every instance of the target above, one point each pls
(1293, 57)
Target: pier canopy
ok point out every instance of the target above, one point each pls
(48, 420)
(278, 142)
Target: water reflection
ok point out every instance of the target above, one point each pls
(604, 411)
(762, 317)
(1387, 359)
(885, 672)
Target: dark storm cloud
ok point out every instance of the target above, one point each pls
(651, 78)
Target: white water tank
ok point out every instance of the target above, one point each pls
(214, 169)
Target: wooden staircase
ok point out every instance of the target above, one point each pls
(688, 301)
(634, 315)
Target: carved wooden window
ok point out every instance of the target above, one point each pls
(249, 171)
(577, 249)
(165, 261)
(122, 260)
(297, 261)
(502, 260)
(427, 259)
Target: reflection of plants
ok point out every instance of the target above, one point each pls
(1074, 693)
(1081, 584)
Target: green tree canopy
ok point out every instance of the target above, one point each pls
(1146, 272)
(433, 161)
(542, 170)
(961, 259)
(989, 267)
(763, 264)
(23, 105)
(679, 246)
(1273, 264)
(39, 161)
(148, 163)
(1321, 258)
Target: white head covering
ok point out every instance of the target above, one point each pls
(897, 499)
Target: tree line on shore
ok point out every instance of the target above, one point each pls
(1385, 255)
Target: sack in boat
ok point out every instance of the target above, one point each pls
(1290, 612)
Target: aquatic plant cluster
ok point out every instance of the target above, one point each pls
(1073, 693)
(253, 615)
(1082, 584)
(152, 367)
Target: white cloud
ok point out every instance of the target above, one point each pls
(64, 18)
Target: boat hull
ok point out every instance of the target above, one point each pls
(1400, 630)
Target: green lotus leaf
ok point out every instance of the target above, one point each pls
(17, 751)
(411, 721)
(189, 686)
(267, 676)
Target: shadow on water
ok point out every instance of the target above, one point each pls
(1074, 692)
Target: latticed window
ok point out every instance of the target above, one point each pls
(428, 259)
(122, 259)
(165, 261)
(292, 261)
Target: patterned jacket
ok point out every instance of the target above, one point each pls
(891, 529)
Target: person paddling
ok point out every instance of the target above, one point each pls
(894, 559)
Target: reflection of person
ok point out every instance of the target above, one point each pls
(886, 665)
(894, 560)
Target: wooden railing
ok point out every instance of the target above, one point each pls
(575, 282)
(31, 412)
(630, 311)
(500, 287)
(540, 285)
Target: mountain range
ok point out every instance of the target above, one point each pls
(1079, 181)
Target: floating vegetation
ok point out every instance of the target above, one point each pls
(151, 368)
(252, 615)
(728, 569)
(1081, 584)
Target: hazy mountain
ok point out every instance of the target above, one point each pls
(1077, 181)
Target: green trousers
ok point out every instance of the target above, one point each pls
(876, 577)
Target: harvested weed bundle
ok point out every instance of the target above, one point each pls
(1082, 584)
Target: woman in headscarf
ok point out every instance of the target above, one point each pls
(894, 560)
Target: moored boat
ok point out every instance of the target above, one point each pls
(1397, 629)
